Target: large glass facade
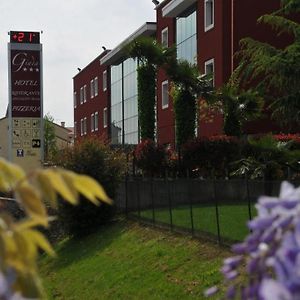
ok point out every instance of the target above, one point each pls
(124, 108)
(186, 37)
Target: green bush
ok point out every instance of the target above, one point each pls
(210, 156)
(93, 158)
(152, 159)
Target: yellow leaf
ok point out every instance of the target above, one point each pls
(32, 202)
(26, 224)
(27, 250)
(12, 173)
(60, 186)
(4, 186)
(39, 239)
(46, 189)
(69, 177)
(91, 189)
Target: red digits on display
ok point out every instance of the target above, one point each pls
(20, 37)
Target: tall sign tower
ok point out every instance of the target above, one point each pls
(26, 147)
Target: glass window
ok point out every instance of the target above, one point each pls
(81, 127)
(165, 37)
(165, 94)
(92, 88)
(75, 99)
(75, 129)
(81, 95)
(105, 117)
(84, 93)
(96, 121)
(123, 102)
(104, 80)
(96, 86)
(92, 123)
(208, 14)
(186, 37)
(84, 125)
(210, 69)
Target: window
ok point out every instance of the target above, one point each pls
(84, 125)
(208, 14)
(75, 129)
(75, 99)
(186, 37)
(165, 37)
(96, 86)
(81, 127)
(96, 121)
(210, 69)
(92, 88)
(165, 94)
(81, 95)
(92, 123)
(105, 117)
(104, 80)
(84, 93)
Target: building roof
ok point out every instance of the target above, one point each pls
(97, 58)
(116, 55)
(176, 7)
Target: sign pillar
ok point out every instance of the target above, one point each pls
(26, 142)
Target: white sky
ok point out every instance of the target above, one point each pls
(73, 33)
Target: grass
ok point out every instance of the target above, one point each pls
(128, 261)
(232, 219)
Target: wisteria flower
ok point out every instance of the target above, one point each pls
(270, 254)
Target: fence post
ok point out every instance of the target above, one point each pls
(248, 198)
(191, 204)
(170, 204)
(152, 201)
(217, 211)
(126, 195)
(138, 198)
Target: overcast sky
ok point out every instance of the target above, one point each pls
(73, 33)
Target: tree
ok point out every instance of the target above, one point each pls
(50, 147)
(150, 55)
(189, 85)
(272, 70)
(238, 107)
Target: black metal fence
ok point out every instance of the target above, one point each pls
(216, 209)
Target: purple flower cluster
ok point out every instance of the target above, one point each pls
(270, 255)
(6, 287)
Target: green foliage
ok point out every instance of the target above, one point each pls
(91, 157)
(238, 108)
(150, 55)
(275, 71)
(267, 158)
(20, 240)
(150, 158)
(210, 157)
(50, 147)
(185, 115)
(189, 85)
(146, 100)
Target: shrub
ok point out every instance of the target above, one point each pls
(210, 157)
(93, 158)
(150, 158)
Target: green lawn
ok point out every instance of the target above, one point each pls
(232, 219)
(127, 261)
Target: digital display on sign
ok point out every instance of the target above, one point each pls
(23, 37)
